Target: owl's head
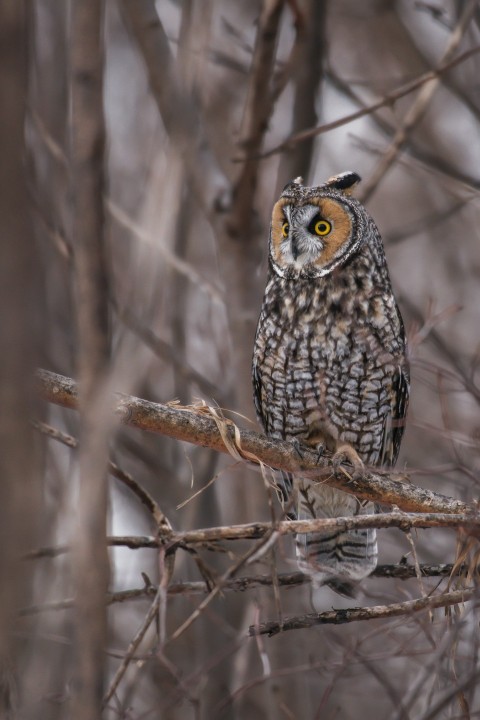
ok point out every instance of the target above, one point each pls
(316, 229)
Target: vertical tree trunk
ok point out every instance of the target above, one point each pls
(87, 144)
(18, 485)
(307, 76)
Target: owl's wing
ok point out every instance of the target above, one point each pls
(395, 421)
(257, 395)
(284, 480)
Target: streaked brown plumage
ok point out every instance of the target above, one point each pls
(329, 365)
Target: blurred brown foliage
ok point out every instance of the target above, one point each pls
(143, 145)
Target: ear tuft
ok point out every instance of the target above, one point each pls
(346, 182)
(293, 183)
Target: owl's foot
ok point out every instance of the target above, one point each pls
(343, 587)
(300, 449)
(320, 448)
(346, 453)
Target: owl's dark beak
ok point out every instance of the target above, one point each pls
(294, 248)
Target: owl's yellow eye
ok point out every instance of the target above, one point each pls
(322, 227)
(285, 229)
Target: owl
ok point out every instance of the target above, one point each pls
(329, 367)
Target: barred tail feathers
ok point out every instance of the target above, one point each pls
(337, 558)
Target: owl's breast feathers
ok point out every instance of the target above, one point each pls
(329, 360)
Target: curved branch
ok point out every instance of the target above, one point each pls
(203, 426)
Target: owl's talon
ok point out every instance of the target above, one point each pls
(337, 460)
(298, 447)
(346, 453)
(320, 451)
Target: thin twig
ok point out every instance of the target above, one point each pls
(436, 708)
(135, 642)
(167, 352)
(416, 565)
(159, 518)
(242, 584)
(444, 348)
(253, 552)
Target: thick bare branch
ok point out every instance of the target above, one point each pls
(377, 612)
(257, 530)
(198, 426)
(404, 521)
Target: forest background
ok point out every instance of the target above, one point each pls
(143, 146)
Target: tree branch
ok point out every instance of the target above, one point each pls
(160, 520)
(252, 531)
(178, 111)
(387, 101)
(419, 107)
(258, 108)
(258, 530)
(203, 426)
(377, 612)
(242, 584)
(133, 645)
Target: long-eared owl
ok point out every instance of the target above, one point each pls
(329, 365)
